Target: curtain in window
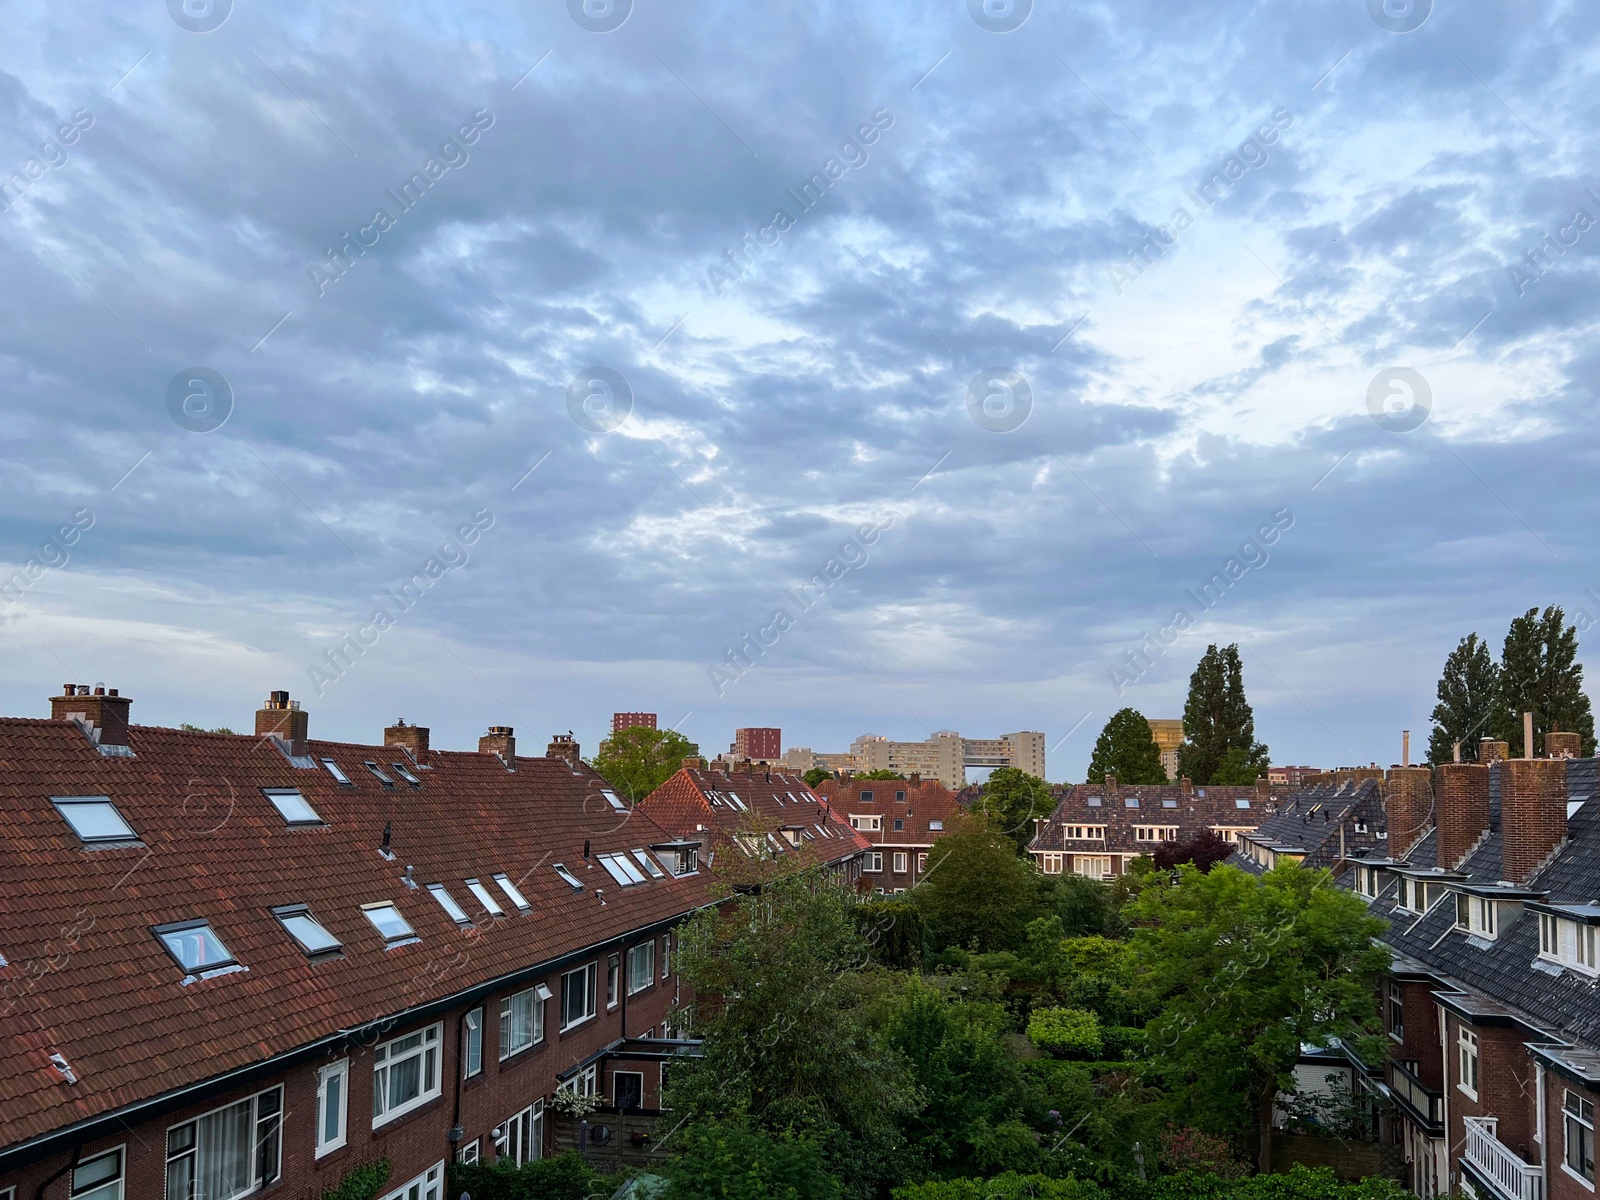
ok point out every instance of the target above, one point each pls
(223, 1167)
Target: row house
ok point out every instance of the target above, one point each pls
(901, 818)
(1097, 829)
(1323, 825)
(233, 964)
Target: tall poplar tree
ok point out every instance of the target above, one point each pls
(1468, 697)
(1540, 673)
(1217, 719)
(1126, 750)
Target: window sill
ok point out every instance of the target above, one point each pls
(332, 1148)
(382, 1125)
(1466, 1091)
(576, 1025)
(1397, 1037)
(1571, 1174)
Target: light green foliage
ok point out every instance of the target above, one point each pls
(638, 760)
(1066, 1032)
(729, 1160)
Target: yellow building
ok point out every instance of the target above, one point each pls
(1168, 736)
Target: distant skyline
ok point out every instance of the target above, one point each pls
(842, 368)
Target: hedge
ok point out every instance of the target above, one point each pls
(1301, 1183)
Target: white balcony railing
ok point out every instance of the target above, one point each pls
(1513, 1178)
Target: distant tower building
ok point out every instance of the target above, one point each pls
(1167, 734)
(760, 744)
(621, 721)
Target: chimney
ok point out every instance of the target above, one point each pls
(1111, 786)
(1462, 814)
(413, 739)
(1527, 735)
(694, 762)
(1408, 805)
(914, 778)
(1492, 751)
(563, 747)
(499, 740)
(105, 712)
(1186, 786)
(1533, 813)
(1405, 747)
(283, 718)
(1263, 790)
(1563, 745)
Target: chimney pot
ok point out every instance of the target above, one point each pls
(563, 747)
(277, 718)
(69, 689)
(1559, 744)
(413, 739)
(108, 715)
(1527, 735)
(500, 740)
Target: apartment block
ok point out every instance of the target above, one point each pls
(627, 720)
(901, 818)
(1167, 733)
(763, 745)
(945, 756)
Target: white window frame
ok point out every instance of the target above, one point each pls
(1573, 1105)
(471, 1152)
(1084, 833)
(1468, 1065)
(533, 1001)
(521, 1137)
(591, 973)
(427, 1186)
(640, 979)
(866, 822)
(99, 1191)
(1573, 944)
(340, 1071)
(257, 1120)
(872, 861)
(486, 898)
(427, 1051)
(615, 1075)
(613, 981)
(1052, 864)
(666, 955)
(1081, 863)
(472, 1044)
(900, 862)
(1155, 833)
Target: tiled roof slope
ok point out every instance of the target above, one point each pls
(1326, 822)
(1508, 969)
(1191, 809)
(87, 979)
(925, 800)
(697, 802)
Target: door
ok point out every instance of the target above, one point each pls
(629, 1089)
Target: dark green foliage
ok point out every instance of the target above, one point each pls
(1216, 719)
(976, 893)
(360, 1183)
(1126, 749)
(816, 776)
(563, 1177)
(893, 930)
(881, 773)
(1301, 1183)
(638, 760)
(1468, 691)
(1540, 673)
(1012, 799)
(729, 1160)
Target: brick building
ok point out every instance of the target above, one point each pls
(628, 720)
(229, 963)
(762, 744)
(902, 818)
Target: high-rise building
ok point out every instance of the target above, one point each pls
(1167, 733)
(945, 756)
(621, 721)
(758, 744)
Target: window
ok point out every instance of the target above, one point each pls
(1168, 803)
(666, 955)
(936, 826)
(1578, 1121)
(899, 824)
(872, 861)
(427, 1186)
(922, 863)
(512, 894)
(586, 1082)
(685, 860)
(1568, 943)
(378, 774)
(641, 966)
(613, 979)
(1093, 866)
(620, 867)
(98, 1178)
(1397, 1012)
(472, 1044)
(470, 1153)
(1085, 833)
(1155, 833)
(404, 772)
(339, 776)
(568, 876)
(333, 1088)
(94, 819)
(900, 796)
(521, 1139)
(405, 1074)
(314, 939)
(485, 898)
(1130, 802)
(1094, 802)
(228, 1152)
(522, 1020)
(292, 806)
(577, 995)
(613, 800)
(1051, 863)
(866, 796)
(1241, 803)
(1468, 1048)
(195, 946)
(386, 919)
(448, 902)
(627, 1089)
(902, 862)
(1367, 881)
(649, 865)
(866, 823)
(1475, 914)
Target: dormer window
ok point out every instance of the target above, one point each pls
(1570, 943)
(1476, 915)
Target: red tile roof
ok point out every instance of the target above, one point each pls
(914, 804)
(87, 979)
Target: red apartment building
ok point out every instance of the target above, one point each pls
(902, 818)
(762, 744)
(627, 720)
(232, 964)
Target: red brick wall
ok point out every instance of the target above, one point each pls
(1533, 812)
(1562, 1186)
(1506, 1087)
(1408, 805)
(1421, 1042)
(1462, 813)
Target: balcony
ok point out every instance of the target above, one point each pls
(1497, 1164)
(1424, 1105)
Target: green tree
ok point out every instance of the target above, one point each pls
(1013, 799)
(976, 892)
(881, 773)
(1242, 971)
(1217, 718)
(816, 776)
(787, 1045)
(638, 760)
(1239, 768)
(730, 1160)
(1540, 673)
(1126, 749)
(1468, 689)
(1066, 1032)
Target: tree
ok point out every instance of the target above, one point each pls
(881, 773)
(1468, 691)
(1243, 970)
(729, 1160)
(976, 892)
(816, 776)
(1202, 851)
(1126, 749)
(1540, 673)
(638, 760)
(1217, 718)
(1012, 799)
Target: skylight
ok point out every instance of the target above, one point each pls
(1130, 802)
(306, 929)
(292, 806)
(485, 898)
(512, 894)
(938, 825)
(738, 803)
(378, 774)
(448, 902)
(1169, 804)
(94, 819)
(621, 869)
(614, 800)
(401, 770)
(339, 776)
(386, 919)
(649, 865)
(567, 875)
(1238, 803)
(195, 946)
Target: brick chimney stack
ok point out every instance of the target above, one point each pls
(499, 740)
(1462, 813)
(1492, 751)
(563, 747)
(1533, 813)
(1408, 803)
(413, 739)
(1563, 745)
(1263, 790)
(285, 720)
(1111, 788)
(1186, 787)
(106, 711)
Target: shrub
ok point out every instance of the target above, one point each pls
(360, 1183)
(1066, 1032)
(727, 1160)
(564, 1177)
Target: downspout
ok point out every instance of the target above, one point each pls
(1444, 1057)
(456, 1131)
(77, 1157)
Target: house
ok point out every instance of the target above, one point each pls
(230, 962)
(902, 818)
(1097, 829)
(1322, 825)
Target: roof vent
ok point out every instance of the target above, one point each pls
(64, 1067)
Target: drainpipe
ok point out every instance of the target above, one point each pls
(77, 1157)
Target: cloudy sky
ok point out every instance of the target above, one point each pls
(1011, 329)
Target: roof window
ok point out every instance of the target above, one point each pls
(337, 772)
(512, 894)
(314, 939)
(485, 898)
(568, 876)
(94, 819)
(448, 902)
(1130, 802)
(649, 865)
(401, 770)
(1094, 801)
(195, 947)
(292, 806)
(378, 774)
(1239, 803)
(1168, 802)
(614, 800)
(621, 868)
(386, 919)
(937, 826)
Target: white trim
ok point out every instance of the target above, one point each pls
(426, 1046)
(340, 1070)
(427, 1186)
(121, 1181)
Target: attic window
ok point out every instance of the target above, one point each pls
(649, 865)
(1094, 801)
(401, 770)
(614, 800)
(195, 947)
(448, 902)
(567, 875)
(1199, 791)
(292, 806)
(337, 772)
(512, 894)
(386, 919)
(867, 794)
(899, 795)
(377, 774)
(307, 930)
(621, 869)
(1130, 802)
(94, 819)
(936, 826)
(738, 803)
(1241, 803)
(1169, 803)
(485, 898)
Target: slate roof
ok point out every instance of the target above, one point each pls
(1157, 804)
(924, 801)
(86, 978)
(1314, 820)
